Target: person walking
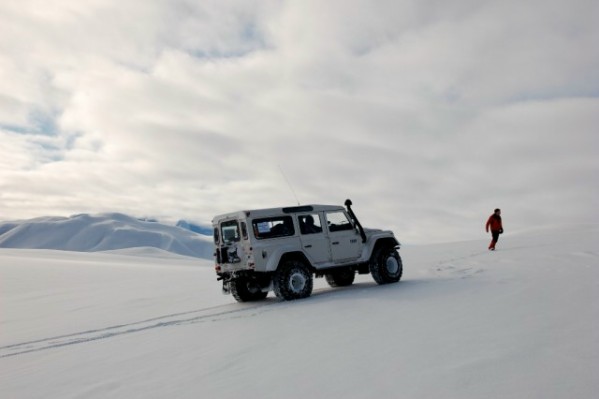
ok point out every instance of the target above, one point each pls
(494, 223)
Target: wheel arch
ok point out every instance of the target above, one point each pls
(278, 254)
(384, 242)
(296, 255)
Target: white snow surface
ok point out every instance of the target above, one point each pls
(520, 322)
(102, 232)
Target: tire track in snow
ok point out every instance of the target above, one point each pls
(213, 313)
(194, 316)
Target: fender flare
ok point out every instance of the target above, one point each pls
(283, 253)
(384, 241)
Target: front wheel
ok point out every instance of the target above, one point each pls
(386, 266)
(292, 280)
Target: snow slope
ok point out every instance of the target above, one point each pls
(464, 322)
(104, 232)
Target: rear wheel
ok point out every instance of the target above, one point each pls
(293, 280)
(386, 266)
(341, 278)
(245, 289)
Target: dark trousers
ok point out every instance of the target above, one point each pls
(495, 235)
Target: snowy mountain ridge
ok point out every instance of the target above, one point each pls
(102, 232)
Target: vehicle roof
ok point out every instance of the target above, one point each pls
(253, 213)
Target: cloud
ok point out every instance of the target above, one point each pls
(427, 114)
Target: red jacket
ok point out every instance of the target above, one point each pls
(494, 223)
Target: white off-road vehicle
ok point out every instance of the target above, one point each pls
(282, 249)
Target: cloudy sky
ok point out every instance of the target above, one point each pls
(427, 114)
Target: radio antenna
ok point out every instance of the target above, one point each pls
(289, 184)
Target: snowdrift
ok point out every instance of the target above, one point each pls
(104, 232)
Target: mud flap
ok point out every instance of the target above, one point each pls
(226, 287)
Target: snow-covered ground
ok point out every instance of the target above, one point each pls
(464, 322)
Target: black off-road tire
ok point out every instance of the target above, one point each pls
(292, 280)
(385, 265)
(246, 290)
(341, 278)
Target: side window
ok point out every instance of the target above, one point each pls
(310, 224)
(216, 236)
(338, 221)
(230, 231)
(279, 226)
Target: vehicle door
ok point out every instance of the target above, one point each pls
(346, 244)
(313, 238)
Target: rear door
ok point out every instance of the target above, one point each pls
(313, 238)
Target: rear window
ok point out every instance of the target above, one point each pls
(230, 231)
(280, 226)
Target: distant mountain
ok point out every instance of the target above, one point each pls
(103, 232)
(196, 228)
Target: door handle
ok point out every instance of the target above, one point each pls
(335, 243)
(307, 246)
